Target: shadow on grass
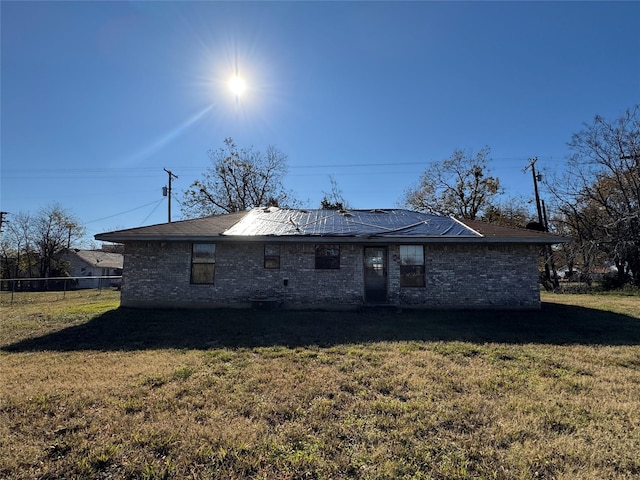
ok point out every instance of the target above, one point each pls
(133, 329)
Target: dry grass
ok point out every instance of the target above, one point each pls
(93, 391)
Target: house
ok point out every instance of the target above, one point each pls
(94, 263)
(329, 258)
(593, 273)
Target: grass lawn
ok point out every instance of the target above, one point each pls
(90, 390)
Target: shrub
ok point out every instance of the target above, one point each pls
(612, 281)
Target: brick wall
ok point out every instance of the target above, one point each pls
(467, 275)
(158, 274)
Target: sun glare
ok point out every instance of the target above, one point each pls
(237, 85)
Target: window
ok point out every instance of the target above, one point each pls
(411, 266)
(203, 262)
(327, 257)
(272, 257)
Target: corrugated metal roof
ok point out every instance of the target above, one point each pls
(310, 225)
(274, 221)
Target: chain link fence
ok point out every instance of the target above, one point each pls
(14, 290)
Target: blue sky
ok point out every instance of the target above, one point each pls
(98, 97)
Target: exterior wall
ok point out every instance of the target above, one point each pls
(457, 276)
(475, 276)
(81, 268)
(158, 273)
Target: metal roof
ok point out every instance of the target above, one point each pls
(273, 221)
(372, 226)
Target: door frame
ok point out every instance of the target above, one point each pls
(379, 295)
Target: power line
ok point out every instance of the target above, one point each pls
(177, 200)
(154, 209)
(152, 171)
(122, 213)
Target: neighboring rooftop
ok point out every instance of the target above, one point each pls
(100, 258)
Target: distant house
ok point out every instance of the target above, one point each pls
(594, 273)
(329, 258)
(94, 263)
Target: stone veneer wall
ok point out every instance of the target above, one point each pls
(457, 275)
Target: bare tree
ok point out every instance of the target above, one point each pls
(53, 230)
(32, 244)
(18, 255)
(237, 180)
(459, 186)
(599, 194)
(333, 200)
(510, 212)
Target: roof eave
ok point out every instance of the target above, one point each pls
(330, 239)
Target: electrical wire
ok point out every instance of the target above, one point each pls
(154, 209)
(148, 172)
(122, 213)
(176, 198)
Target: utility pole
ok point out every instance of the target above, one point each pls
(536, 179)
(171, 175)
(542, 220)
(2, 220)
(548, 249)
(69, 226)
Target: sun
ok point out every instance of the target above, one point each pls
(237, 85)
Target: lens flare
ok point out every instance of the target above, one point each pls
(237, 85)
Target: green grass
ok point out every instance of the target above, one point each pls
(90, 390)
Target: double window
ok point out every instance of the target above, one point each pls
(203, 263)
(411, 266)
(327, 257)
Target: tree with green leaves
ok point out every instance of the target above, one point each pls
(238, 179)
(460, 185)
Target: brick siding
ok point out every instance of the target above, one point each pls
(456, 275)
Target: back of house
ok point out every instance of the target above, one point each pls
(330, 259)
